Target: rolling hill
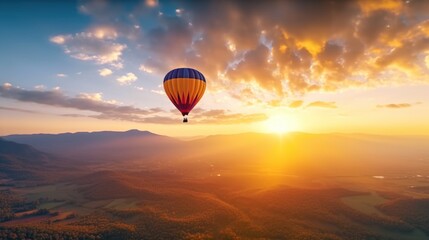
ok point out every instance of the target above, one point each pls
(21, 161)
(105, 145)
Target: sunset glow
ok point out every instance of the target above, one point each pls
(280, 124)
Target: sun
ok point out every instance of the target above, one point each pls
(280, 124)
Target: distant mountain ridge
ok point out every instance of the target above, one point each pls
(90, 144)
(60, 138)
(20, 161)
(295, 152)
(22, 151)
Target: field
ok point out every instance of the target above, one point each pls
(225, 206)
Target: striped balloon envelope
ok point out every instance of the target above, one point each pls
(184, 87)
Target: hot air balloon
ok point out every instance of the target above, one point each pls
(184, 87)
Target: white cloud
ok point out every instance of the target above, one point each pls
(127, 79)
(85, 101)
(7, 85)
(97, 45)
(105, 72)
(117, 65)
(61, 75)
(98, 97)
(104, 32)
(160, 92)
(140, 88)
(143, 68)
(40, 87)
(92, 96)
(58, 39)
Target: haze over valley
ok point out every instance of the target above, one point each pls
(136, 184)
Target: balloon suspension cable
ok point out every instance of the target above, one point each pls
(185, 118)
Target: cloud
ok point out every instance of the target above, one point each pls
(84, 101)
(369, 6)
(102, 10)
(293, 46)
(104, 32)
(280, 48)
(222, 116)
(61, 75)
(160, 92)
(17, 110)
(91, 96)
(256, 66)
(397, 105)
(143, 68)
(127, 79)
(105, 72)
(58, 39)
(296, 104)
(7, 85)
(322, 104)
(97, 45)
(103, 109)
(400, 56)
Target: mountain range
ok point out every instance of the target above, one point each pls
(293, 153)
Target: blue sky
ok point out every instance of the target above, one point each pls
(26, 27)
(33, 60)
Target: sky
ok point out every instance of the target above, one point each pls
(271, 66)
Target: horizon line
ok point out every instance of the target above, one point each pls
(193, 137)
